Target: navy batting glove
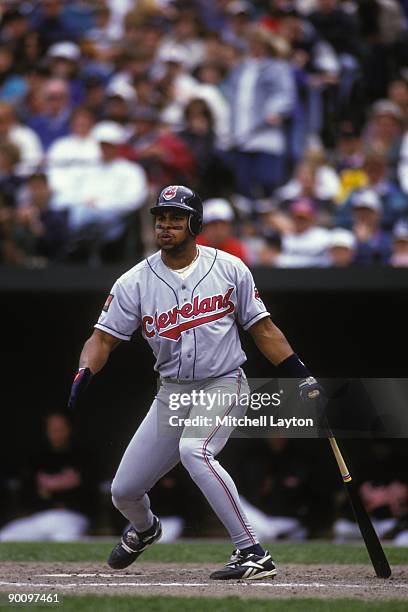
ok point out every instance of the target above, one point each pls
(310, 389)
(81, 381)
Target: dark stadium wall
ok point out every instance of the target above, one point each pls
(337, 333)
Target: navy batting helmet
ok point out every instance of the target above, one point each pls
(184, 198)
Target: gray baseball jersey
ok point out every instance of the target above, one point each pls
(189, 323)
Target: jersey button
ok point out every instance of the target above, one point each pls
(189, 356)
(183, 286)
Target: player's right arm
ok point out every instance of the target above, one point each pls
(119, 318)
(96, 350)
(94, 355)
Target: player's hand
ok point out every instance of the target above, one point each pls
(80, 383)
(310, 389)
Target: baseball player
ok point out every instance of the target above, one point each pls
(187, 301)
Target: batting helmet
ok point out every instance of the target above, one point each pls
(184, 198)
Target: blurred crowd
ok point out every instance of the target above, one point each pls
(289, 117)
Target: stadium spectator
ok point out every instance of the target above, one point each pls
(238, 20)
(70, 158)
(23, 137)
(280, 490)
(393, 201)
(36, 75)
(117, 105)
(338, 27)
(164, 156)
(52, 24)
(261, 93)
(12, 85)
(116, 188)
(316, 69)
(399, 256)
(10, 252)
(14, 31)
(217, 231)
(398, 94)
(52, 121)
(133, 66)
(312, 179)
(10, 181)
(341, 248)
(212, 176)
(184, 34)
(402, 170)
(382, 25)
(306, 245)
(56, 487)
(348, 161)
(383, 132)
(64, 63)
(42, 229)
(384, 492)
(373, 243)
(311, 68)
(94, 95)
(98, 40)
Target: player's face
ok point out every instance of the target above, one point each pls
(171, 229)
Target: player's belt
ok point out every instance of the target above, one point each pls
(187, 381)
(179, 381)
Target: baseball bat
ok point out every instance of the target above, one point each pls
(373, 545)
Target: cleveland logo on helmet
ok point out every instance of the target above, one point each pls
(170, 192)
(183, 198)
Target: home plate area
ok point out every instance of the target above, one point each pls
(189, 579)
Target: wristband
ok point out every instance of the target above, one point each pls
(292, 367)
(80, 383)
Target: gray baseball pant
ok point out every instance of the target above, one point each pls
(157, 447)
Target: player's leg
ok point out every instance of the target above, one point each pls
(197, 453)
(147, 458)
(198, 448)
(152, 452)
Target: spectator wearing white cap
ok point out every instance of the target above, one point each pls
(306, 244)
(114, 188)
(218, 228)
(399, 256)
(71, 158)
(373, 243)
(341, 248)
(384, 131)
(64, 63)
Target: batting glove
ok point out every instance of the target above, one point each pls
(310, 389)
(81, 381)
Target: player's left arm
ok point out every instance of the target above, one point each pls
(273, 344)
(254, 317)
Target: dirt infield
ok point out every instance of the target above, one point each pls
(326, 581)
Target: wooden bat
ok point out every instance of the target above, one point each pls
(374, 548)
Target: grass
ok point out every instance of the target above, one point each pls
(95, 603)
(196, 552)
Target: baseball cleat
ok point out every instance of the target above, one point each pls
(132, 545)
(246, 567)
